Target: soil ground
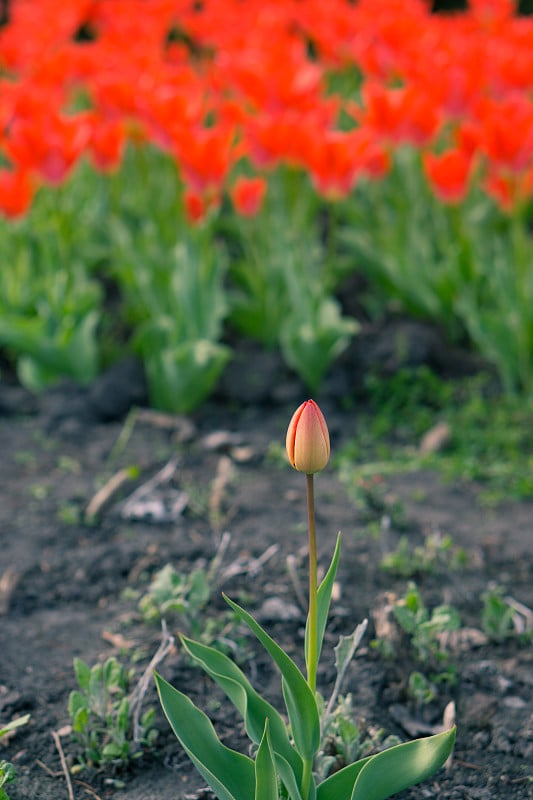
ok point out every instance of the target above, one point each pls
(63, 586)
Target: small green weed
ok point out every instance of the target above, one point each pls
(503, 618)
(424, 627)
(183, 598)
(421, 689)
(102, 715)
(426, 634)
(435, 553)
(174, 593)
(69, 513)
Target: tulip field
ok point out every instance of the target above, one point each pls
(171, 171)
(210, 212)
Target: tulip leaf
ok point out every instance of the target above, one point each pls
(180, 375)
(339, 786)
(380, 776)
(266, 780)
(253, 708)
(404, 765)
(314, 335)
(286, 773)
(230, 774)
(323, 601)
(299, 699)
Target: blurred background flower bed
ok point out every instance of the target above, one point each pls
(177, 178)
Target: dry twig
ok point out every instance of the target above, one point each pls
(137, 696)
(105, 494)
(296, 582)
(64, 766)
(8, 581)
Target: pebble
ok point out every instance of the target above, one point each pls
(514, 702)
(277, 609)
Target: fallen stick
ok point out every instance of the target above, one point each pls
(64, 766)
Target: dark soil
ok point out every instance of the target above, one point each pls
(63, 581)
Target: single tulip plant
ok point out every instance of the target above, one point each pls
(286, 746)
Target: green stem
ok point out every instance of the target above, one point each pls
(306, 777)
(312, 649)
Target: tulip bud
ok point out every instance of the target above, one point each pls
(308, 439)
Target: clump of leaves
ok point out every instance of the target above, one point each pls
(426, 633)
(184, 598)
(424, 627)
(503, 618)
(436, 552)
(173, 592)
(421, 689)
(103, 715)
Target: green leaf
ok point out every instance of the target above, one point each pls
(404, 765)
(15, 723)
(199, 589)
(266, 780)
(230, 774)
(112, 750)
(380, 776)
(180, 376)
(288, 778)
(346, 647)
(313, 338)
(123, 715)
(324, 599)
(299, 699)
(339, 786)
(82, 672)
(114, 677)
(253, 708)
(80, 720)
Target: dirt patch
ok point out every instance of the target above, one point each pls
(67, 586)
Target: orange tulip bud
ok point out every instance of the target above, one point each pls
(308, 439)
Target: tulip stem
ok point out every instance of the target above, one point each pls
(312, 632)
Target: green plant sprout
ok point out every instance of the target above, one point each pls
(105, 715)
(422, 689)
(8, 773)
(174, 593)
(425, 627)
(284, 762)
(436, 552)
(504, 618)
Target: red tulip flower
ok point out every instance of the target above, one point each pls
(247, 195)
